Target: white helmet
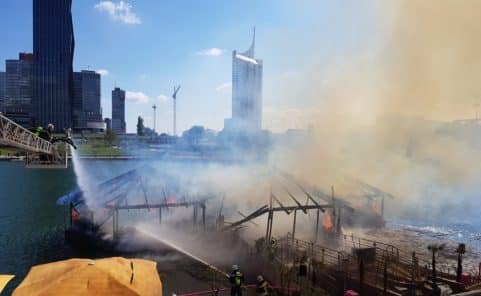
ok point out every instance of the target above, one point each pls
(260, 278)
(235, 267)
(50, 127)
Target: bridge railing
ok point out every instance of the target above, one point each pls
(14, 135)
(322, 254)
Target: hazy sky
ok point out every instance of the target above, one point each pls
(147, 46)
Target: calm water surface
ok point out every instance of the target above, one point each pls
(31, 225)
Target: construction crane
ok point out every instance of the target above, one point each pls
(174, 97)
(40, 153)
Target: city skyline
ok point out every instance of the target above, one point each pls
(147, 47)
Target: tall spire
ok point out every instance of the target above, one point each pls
(250, 52)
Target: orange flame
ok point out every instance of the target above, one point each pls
(74, 214)
(327, 221)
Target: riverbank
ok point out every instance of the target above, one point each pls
(166, 156)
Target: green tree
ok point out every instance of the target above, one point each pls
(110, 137)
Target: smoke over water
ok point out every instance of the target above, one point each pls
(384, 114)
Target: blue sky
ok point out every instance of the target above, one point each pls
(147, 46)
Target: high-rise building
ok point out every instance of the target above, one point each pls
(118, 111)
(246, 91)
(2, 90)
(17, 103)
(53, 49)
(87, 113)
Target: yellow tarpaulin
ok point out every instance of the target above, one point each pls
(4, 279)
(110, 276)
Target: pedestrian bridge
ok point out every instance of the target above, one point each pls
(40, 153)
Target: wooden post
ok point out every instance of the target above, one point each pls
(269, 220)
(195, 215)
(382, 207)
(294, 226)
(338, 222)
(270, 226)
(113, 224)
(317, 225)
(70, 213)
(160, 215)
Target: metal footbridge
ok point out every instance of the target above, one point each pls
(40, 153)
(16, 136)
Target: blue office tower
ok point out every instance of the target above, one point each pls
(53, 49)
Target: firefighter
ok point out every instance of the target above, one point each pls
(261, 286)
(303, 266)
(302, 274)
(236, 280)
(66, 139)
(47, 134)
(36, 130)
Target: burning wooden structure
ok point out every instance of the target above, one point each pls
(87, 220)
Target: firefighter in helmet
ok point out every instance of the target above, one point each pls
(236, 279)
(262, 286)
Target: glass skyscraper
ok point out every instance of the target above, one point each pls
(53, 49)
(2, 90)
(118, 111)
(86, 100)
(246, 91)
(17, 103)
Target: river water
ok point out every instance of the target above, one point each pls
(32, 225)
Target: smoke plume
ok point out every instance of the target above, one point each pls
(384, 113)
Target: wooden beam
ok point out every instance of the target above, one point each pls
(294, 226)
(297, 202)
(280, 204)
